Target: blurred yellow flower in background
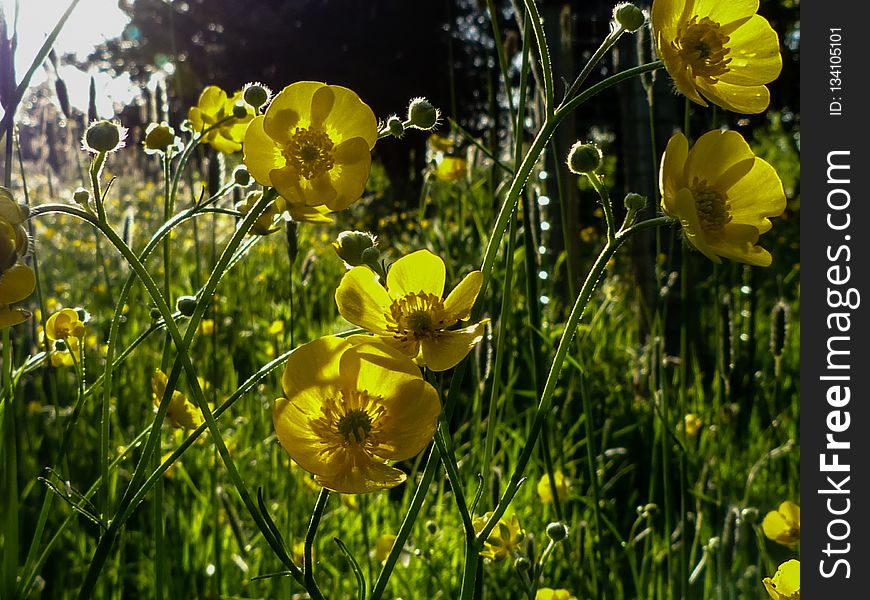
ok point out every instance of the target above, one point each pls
(722, 194)
(551, 594)
(215, 107)
(693, 424)
(719, 50)
(505, 539)
(786, 582)
(383, 546)
(182, 413)
(451, 169)
(313, 145)
(348, 409)
(545, 490)
(64, 324)
(783, 525)
(411, 314)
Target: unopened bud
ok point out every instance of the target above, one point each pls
(241, 176)
(240, 110)
(395, 126)
(257, 94)
(185, 305)
(422, 115)
(104, 136)
(81, 196)
(629, 17)
(634, 202)
(584, 158)
(158, 137)
(557, 531)
(522, 564)
(352, 245)
(750, 515)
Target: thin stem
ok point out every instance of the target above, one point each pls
(308, 569)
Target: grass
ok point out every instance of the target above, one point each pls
(653, 509)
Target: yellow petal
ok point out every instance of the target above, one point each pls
(737, 242)
(754, 53)
(9, 210)
(372, 365)
(757, 196)
(671, 173)
(350, 117)
(313, 365)
(665, 16)
(354, 159)
(775, 526)
(320, 191)
(212, 100)
(17, 283)
(361, 476)
(420, 271)
(223, 144)
(410, 420)
(682, 206)
(743, 99)
(12, 316)
(289, 109)
(791, 511)
(461, 299)
(362, 300)
(725, 11)
(292, 421)
(714, 153)
(449, 347)
(261, 155)
(289, 185)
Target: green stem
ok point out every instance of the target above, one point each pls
(308, 569)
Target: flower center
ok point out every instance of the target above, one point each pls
(712, 206)
(701, 45)
(310, 152)
(416, 315)
(350, 420)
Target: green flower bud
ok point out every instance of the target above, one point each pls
(422, 115)
(432, 527)
(629, 17)
(750, 514)
(522, 564)
(371, 256)
(351, 245)
(634, 202)
(104, 136)
(155, 313)
(557, 531)
(240, 110)
(584, 158)
(256, 94)
(241, 176)
(158, 137)
(185, 305)
(81, 196)
(395, 126)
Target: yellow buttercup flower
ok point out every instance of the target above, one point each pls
(786, 582)
(412, 314)
(722, 194)
(214, 107)
(182, 413)
(693, 424)
(17, 280)
(783, 525)
(64, 324)
(551, 594)
(545, 492)
(505, 539)
(719, 50)
(451, 169)
(383, 545)
(350, 408)
(313, 145)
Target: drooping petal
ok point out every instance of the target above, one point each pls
(461, 299)
(362, 475)
(449, 347)
(261, 154)
(12, 316)
(362, 300)
(16, 284)
(420, 271)
(744, 99)
(738, 242)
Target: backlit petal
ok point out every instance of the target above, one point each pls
(714, 153)
(449, 347)
(362, 300)
(754, 54)
(420, 271)
(749, 100)
(350, 117)
(261, 154)
(363, 475)
(16, 284)
(290, 109)
(459, 302)
(671, 174)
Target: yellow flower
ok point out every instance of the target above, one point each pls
(17, 280)
(505, 539)
(693, 424)
(545, 492)
(215, 106)
(64, 324)
(411, 314)
(783, 525)
(722, 194)
(181, 412)
(551, 594)
(786, 582)
(61, 359)
(719, 50)
(206, 326)
(451, 169)
(265, 224)
(383, 546)
(348, 409)
(313, 145)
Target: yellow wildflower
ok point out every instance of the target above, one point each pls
(214, 107)
(181, 412)
(348, 409)
(313, 145)
(786, 582)
(61, 359)
(719, 50)
(411, 314)
(722, 194)
(206, 326)
(545, 491)
(692, 423)
(17, 280)
(783, 525)
(505, 539)
(451, 169)
(64, 324)
(551, 594)
(383, 545)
